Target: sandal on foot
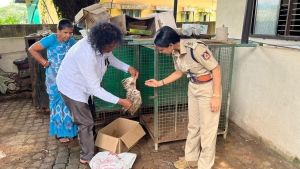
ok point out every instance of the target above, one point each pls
(182, 164)
(83, 161)
(63, 140)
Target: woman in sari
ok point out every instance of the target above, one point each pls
(57, 45)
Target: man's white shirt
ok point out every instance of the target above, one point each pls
(82, 70)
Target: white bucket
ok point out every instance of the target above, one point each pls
(187, 31)
(197, 31)
(222, 33)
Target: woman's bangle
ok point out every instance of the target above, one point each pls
(45, 63)
(162, 82)
(216, 95)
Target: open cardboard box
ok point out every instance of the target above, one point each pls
(130, 25)
(120, 135)
(151, 23)
(164, 19)
(90, 15)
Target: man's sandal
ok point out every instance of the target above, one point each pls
(63, 139)
(183, 164)
(83, 161)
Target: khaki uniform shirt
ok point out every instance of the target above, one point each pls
(184, 62)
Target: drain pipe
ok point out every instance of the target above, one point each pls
(175, 9)
(247, 21)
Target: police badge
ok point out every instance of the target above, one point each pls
(205, 55)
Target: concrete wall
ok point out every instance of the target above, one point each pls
(203, 4)
(12, 43)
(11, 49)
(23, 30)
(265, 97)
(230, 13)
(48, 12)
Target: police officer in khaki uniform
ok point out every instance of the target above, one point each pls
(194, 59)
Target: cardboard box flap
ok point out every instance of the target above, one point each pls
(118, 127)
(106, 142)
(94, 9)
(79, 16)
(98, 10)
(132, 136)
(163, 19)
(120, 135)
(120, 21)
(126, 23)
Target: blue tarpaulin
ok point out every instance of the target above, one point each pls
(33, 12)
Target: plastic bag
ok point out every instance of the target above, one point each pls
(109, 160)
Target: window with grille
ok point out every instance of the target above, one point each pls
(132, 12)
(187, 16)
(277, 18)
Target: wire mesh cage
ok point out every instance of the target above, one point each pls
(166, 114)
(164, 110)
(107, 112)
(224, 54)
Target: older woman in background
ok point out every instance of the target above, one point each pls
(57, 45)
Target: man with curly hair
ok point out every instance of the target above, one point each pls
(80, 75)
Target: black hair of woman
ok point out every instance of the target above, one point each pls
(166, 36)
(64, 23)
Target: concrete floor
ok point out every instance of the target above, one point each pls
(24, 143)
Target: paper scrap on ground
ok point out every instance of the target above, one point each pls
(108, 160)
(2, 154)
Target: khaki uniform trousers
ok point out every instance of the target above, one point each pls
(202, 127)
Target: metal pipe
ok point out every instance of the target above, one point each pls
(175, 9)
(247, 21)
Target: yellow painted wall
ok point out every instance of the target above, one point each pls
(203, 4)
(197, 4)
(48, 12)
(115, 12)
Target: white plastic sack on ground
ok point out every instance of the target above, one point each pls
(108, 160)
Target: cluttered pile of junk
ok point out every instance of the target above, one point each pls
(162, 112)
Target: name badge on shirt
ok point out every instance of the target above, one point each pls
(106, 62)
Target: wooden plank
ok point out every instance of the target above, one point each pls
(40, 97)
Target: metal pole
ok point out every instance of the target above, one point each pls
(247, 21)
(111, 6)
(156, 101)
(175, 9)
